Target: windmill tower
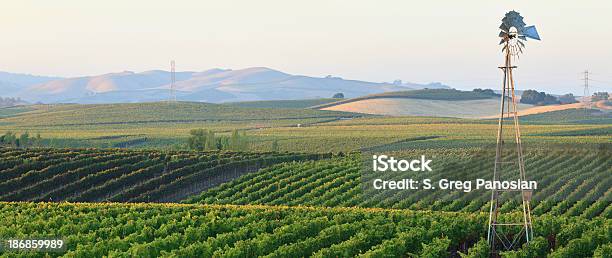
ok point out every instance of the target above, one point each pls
(509, 163)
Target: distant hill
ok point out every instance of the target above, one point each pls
(431, 94)
(214, 86)
(426, 102)
(12, 83)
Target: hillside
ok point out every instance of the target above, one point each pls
(214, 85)
(123, 175)
(570, 116)
(576, 186)
(423, 102)
(291, 209)
(302, 103)
(13, 83)
(438, 102)
(430, 94)
(423, 107)
(155, 112)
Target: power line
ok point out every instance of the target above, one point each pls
(172, 81)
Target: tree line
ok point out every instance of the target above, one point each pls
(534, 97)
(22, 141)
(200, 139)
(9, 102)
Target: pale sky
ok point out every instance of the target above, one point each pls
(453, 42)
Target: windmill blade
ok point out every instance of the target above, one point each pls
(531, 32)
(503, 27)
(513, 19)
(515, 41)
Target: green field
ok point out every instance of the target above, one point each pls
(167, 126)
(173, 230)
(574, 183)
(570, 116)
(306, 103)
(303, 199)
(79, 175)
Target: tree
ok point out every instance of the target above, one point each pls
(234, 140)
(597, 96)
(485, 91)
(38, 140)
(538, 98)
(8, 102)
(567, 99)
(338, 95)
(549, 100)
(211, 143)
(11, 139)
(197, 140)
(244, 143)
(275, 145)
(24, 140)
(237, 141)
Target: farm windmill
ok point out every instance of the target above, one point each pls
(513, 34)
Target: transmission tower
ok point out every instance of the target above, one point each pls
(172, 81)
(587, 95)
(504, 233)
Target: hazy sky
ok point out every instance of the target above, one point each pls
(453, 42)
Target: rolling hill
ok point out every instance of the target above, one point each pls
(214, 86)
(12, 83)
(153, 112)
(424, 102)
(304, 103)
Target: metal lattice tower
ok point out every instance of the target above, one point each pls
(509, 164)
(587, 95)
(172, 81)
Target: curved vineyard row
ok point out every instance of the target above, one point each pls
(123, 175)
(576, 184)
(177, 230)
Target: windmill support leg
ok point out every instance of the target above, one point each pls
(497, 238)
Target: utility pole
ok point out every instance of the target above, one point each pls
(172, 81)
(586, 99)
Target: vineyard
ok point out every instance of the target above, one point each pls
(93, 175)
(164, 126)
(142, 195)
(286, 205)
(573, 183)
(174, 230)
